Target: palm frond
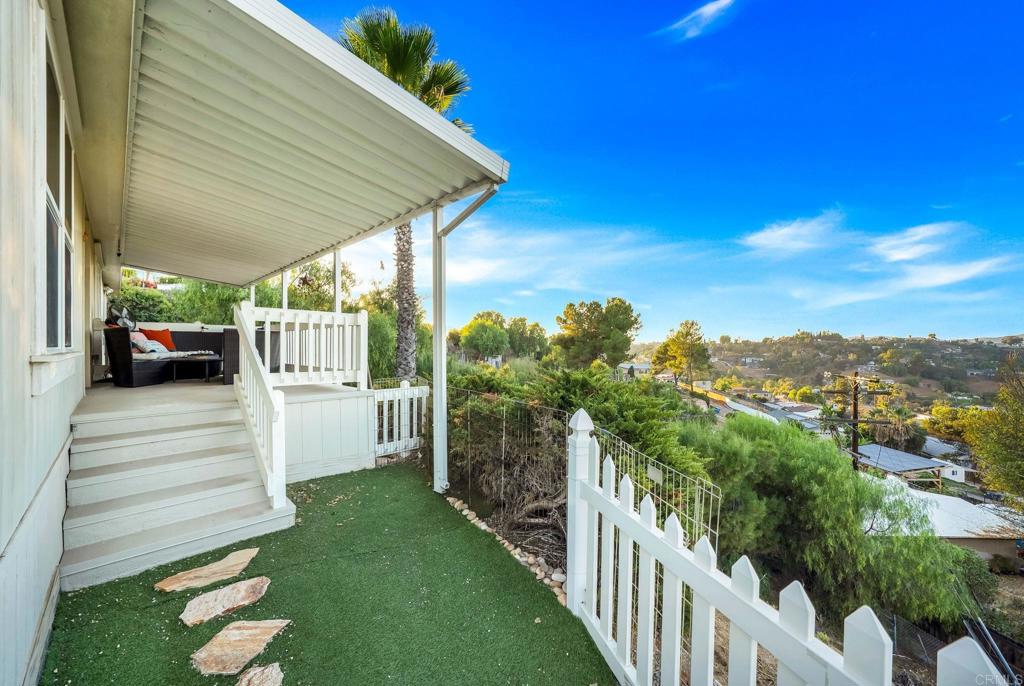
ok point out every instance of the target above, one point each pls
(444, 83)
(464, 125)
(405, 54)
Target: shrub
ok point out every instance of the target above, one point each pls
(642, 413)
(791, 502)
(381, 337)
(1000, 564)
(145, 304)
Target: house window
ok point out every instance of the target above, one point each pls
(59, 194)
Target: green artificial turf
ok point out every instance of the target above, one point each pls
(384, 583)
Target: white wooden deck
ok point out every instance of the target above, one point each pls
(112, 402)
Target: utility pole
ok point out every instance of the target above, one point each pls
(854, 420)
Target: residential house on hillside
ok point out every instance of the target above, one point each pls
(986, 529)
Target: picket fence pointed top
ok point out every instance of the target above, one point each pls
(608, 476)
(674, 533)
(704, 553)
(796, 612)
(964, 662)
(581, 421)
(626, 491)
(745, 582)
(647, 510)
(867, 648)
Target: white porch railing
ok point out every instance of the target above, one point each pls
(603, 522)
(305, 347)
(399, 418)
(262, 410)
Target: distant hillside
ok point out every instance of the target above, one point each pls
(927, 368)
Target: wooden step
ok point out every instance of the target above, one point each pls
(116, 517)
(107, 425)
(117, 557)
(151, 473)
(97, 451)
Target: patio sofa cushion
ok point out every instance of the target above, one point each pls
(139, 341)
(162, 336)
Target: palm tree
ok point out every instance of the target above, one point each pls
(898, 427)
(405, 54)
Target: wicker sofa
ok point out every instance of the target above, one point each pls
(130, 372)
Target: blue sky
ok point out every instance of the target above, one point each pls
(758, 166)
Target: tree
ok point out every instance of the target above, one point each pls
(406, 55)
(526, 340)
(725, 339)
(312, 286)
(805, 394)
(590, 332)
(496, 318)
(996, 436)
(484, 338)
(727, 383)
(683, 351)
(950, 422)
(898, 430)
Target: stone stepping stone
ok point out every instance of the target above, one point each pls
(226, 568)
(224, 601)
(270, 675)
(235, 645)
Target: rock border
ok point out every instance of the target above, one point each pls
(554, 579)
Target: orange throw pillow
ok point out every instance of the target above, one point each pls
(160, 336)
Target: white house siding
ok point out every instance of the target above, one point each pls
(34, 429)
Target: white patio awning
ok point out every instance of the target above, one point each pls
(253, 142)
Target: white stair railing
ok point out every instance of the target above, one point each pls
(307, 347)
(262, 407)
(400, 413)
(602, 517)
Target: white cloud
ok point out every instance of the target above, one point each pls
(481, 251)
(911, 277)
(786, 238)
(915, 242)
(696, 22)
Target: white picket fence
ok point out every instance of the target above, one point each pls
(647, 639)
(306, 347)
(400, 415)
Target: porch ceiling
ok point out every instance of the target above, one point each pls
(254, 142)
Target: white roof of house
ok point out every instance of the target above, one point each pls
(254, 142)
(937, 447)
(954, 517)
(894, 461)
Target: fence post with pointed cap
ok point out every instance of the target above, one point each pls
(580, 429)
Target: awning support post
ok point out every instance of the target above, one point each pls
(337, 280)
(440, 369)
(286, 276)
(252, 294)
